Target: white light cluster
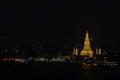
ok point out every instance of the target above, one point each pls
(57, 59)
(20, 60)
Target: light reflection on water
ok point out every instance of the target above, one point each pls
(87, 74)
(99, 73)
(60, 72)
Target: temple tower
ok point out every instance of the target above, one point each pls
(75, 51)
(99, 50)
(87, 49)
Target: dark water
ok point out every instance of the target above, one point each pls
(56, 71)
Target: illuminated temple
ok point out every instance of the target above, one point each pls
(87, 49)
(75, 51)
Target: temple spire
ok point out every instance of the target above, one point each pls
(75, 51)
(99, 50)
(87, 49)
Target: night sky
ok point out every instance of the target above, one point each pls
(59, 22)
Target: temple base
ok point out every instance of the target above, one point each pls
(89, 53)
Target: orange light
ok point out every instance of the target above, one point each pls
(5, 59)
(9, 59)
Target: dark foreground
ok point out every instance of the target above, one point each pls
(56, 71)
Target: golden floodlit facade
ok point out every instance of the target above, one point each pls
(75, 51)
(87, 49)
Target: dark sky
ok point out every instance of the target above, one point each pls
(57, 22)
